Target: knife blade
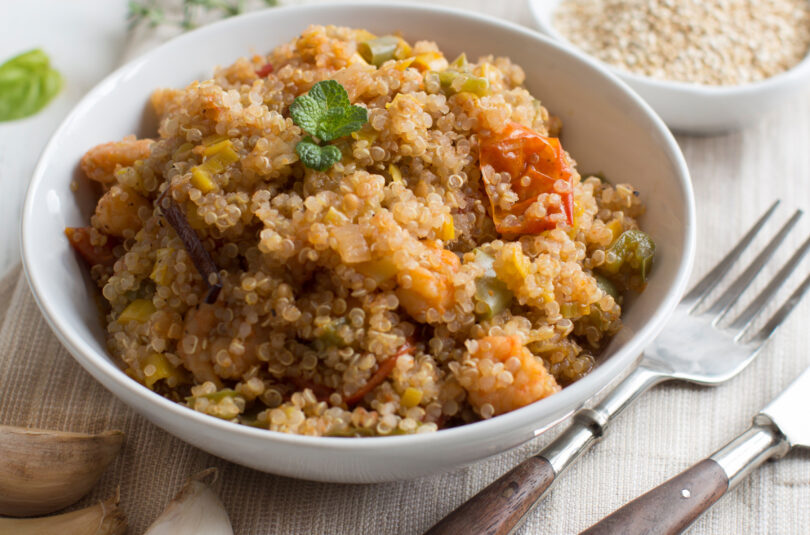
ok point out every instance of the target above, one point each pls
(788, 411)
(669, 508)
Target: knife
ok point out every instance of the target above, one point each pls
(669, 508)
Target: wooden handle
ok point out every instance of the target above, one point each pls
(500, 507)
(670, 507)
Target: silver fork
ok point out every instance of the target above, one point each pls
(693, 347)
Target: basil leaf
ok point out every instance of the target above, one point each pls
(27, 84)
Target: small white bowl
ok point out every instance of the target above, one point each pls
(696, 108)
(606, 127)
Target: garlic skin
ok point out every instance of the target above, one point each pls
(195, 510)
(104, 518)
(42, 471)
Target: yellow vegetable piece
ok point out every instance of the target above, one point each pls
(335, 217)
(379, 270)
(213, 139)
(396, 174)
(155, 368)
(404, 64)
(448, 230)
(160, 272)
(183, 149)
(365, 135)
(411, 397)
(616, 228)
(201, 179)
(139, 310)
(403, 51)
(363, 35)
(429, 61)
(219, 146)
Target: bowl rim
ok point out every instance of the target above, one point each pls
(543, 12)
(103, 369)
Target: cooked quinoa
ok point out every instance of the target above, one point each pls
(417, 284)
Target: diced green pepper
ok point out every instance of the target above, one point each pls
(453, 82)
(633, 248)
(378, 51)
(491, 292)
(491, 296)
(460, 63)
(606, 286)
(217, 396)
(330, 336)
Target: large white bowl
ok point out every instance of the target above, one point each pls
(607, 128)
(696, 108)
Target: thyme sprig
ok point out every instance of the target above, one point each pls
(152, 13)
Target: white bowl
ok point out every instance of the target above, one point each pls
(696, 108)
(607, 128)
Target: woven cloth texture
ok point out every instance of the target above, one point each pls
(735, 177)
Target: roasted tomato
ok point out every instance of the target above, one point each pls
(539, 191)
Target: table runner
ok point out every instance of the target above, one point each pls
(735, 177)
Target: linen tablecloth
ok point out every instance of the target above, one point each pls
(735, 176)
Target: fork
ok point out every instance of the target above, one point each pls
(695, 346)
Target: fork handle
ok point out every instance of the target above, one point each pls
(499, 508)
(502, 504)
(672, 506)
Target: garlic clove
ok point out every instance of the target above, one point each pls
(42, 471)
(195, 510)
(104, 518)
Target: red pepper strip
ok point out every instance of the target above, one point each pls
(523, 153)
(79, 238)
(384, 370)
(264, 71)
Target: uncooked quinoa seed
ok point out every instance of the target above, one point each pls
(712, 42)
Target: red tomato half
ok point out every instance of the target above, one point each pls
(534, 163)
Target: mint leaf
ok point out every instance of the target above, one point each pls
(316, 157)
(326, 113)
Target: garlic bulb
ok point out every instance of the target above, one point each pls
(43, 471)
(195, 510)
(104, 518)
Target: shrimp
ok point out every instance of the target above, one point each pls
(81, 238)
(503, 375)
(119, 211)
(100, 162)
(210, 356)
(426, 290)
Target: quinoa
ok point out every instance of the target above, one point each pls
(377, 297)
(712, 42)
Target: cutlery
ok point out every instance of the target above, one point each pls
(672, 506)
(692, 347)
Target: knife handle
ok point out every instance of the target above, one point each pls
(669, 508)
(499, 508)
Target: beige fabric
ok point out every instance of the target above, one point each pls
(736, 176)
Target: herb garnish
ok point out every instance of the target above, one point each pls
(325, 113)
(27, 84)
(149, 11)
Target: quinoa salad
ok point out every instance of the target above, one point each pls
(356, 235)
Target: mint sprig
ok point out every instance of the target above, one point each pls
(326, 113)
(315, 156)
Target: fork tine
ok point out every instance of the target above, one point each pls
(776, 320)
(708, 282)
(777, 281)
(741, 283)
